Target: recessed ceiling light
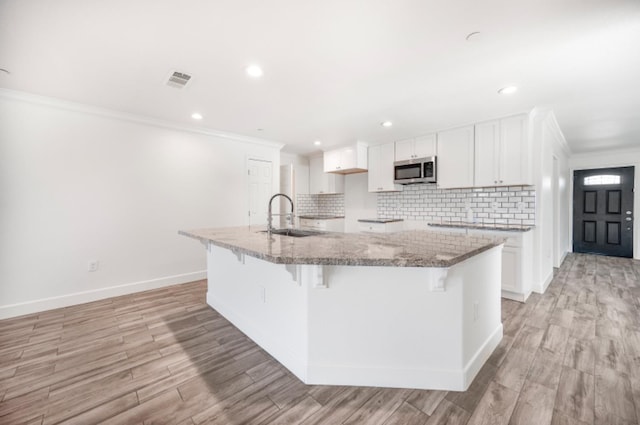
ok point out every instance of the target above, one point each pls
(386, 124)
(317, 143)
(473, 36)
(196, 116)
(254, 71)
(508, 90)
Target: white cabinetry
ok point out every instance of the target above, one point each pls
(502, 152)
(515, 151)
(327, 225)
(381, 169)
(419, 147)
(380, 227)
(517, 265)
(487, 148)
(455, 158)
(347, 160)
(321, 182)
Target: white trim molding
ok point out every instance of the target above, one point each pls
(125, 116)
(44, 304)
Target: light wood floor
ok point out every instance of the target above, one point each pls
(571, 356)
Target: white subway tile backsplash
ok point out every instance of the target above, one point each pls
(325, 204)
(491, 205)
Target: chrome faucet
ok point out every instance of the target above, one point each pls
(270, 214)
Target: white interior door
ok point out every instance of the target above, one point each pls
(260, 182)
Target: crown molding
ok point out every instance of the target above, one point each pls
(125, 116)
(600, 152)
(548, 118)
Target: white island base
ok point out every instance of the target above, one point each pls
(402, 327)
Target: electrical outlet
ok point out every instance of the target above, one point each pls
(494, 206)
(521, 206)
(93, 265)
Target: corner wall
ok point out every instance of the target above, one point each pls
(79, 185)
(551, 234)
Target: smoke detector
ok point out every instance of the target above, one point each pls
(178, 79)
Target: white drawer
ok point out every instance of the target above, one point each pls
(372, 227)
(327, 225)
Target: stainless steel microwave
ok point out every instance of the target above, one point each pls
(417, 170)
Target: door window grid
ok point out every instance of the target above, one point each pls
(601, 179)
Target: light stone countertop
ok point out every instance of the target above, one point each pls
(380, 220)
(413, 248)
(485, 226)
(321, 216)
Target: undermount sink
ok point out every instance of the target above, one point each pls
(296, 233)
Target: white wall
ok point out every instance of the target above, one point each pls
(623, 158)
(301, 169)
(358, 201)
(549, 143)
(77, 184)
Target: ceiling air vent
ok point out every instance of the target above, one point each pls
(178, 79)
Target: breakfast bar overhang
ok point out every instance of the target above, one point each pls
(416, 309)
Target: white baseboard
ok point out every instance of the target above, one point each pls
(482, 355)
(385, 377)
(562, 258)
(371, 376)
(542, 287)
(43, 304)
(516, 296)
(394, 377)
(282, 350)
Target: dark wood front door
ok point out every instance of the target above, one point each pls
(603, 211)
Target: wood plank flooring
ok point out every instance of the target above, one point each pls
(568, 357)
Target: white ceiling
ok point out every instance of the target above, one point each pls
(335, 69)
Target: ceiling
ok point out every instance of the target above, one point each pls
(335, 69)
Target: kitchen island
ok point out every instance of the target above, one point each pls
(417, 309)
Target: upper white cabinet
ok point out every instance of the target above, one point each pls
(502, 152)
(455, 158)
(381, 169)
(419, 147)
(515, 151)
(347, 160)
(321, 182)
(487, 146)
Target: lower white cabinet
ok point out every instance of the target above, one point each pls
(380, 227)
(517, 263)
(323, 224)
